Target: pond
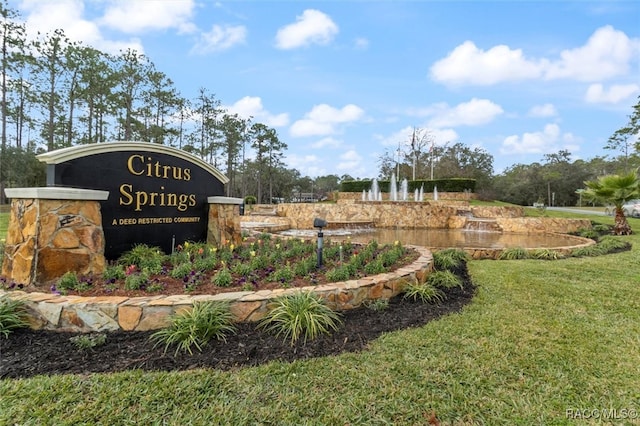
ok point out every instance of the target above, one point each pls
(446, 238)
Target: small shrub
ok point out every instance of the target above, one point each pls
(284, 274)
(155, 288)
(377, 305)
(276, 257)
(300, 314)
(205, 263)
(88, 341)
(243, 269)
(182, 270)
(589, 233)
(513, 253)
(390, 257)
(444, 279)
(144, 257)
(375, 267)
(339, 273)
(196, 326)
(305, 266)
(222, 278)
(136, 281)
(602, 229)
(69, 281)
(259, 262)
(114, 272)
(357, 261)
(225, 255)
(178, 257)
(12, 315)
(425, 292)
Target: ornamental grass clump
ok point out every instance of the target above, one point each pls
(423, 292)
(444, 280)
(514, 253)
(449, 259)
(545, 254)
(13, 315)
(300, 314)
(196, 327)
(611, 244)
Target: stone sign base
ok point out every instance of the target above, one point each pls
(52, 231)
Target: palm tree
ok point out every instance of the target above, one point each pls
(616, 190)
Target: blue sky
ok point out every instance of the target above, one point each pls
(343, 82)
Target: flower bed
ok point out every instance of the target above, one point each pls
(95, 304)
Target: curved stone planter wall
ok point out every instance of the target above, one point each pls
(93, 314)
(494, 253)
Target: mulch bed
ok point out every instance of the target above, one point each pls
(28, 353)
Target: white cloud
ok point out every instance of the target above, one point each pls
(349, 161)
(467, 64)
(550, 139)
(546, 110)
(302, 162)
(326, 143)
(323, 119)
(313, 27)
(45, 17)
(607, 53)
(219, 38)
(251, 106)
(617, 93)
(476, 112)
(137, 16)
(402, 138)
(443, 136)
(361, 43)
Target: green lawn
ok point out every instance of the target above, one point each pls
(542, 340)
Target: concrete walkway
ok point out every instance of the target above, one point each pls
(572, 210)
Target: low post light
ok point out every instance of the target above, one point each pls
(320, 223)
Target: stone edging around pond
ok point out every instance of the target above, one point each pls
(112, 313)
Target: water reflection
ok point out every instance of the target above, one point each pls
(446, 238)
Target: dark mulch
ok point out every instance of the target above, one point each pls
(28, 353)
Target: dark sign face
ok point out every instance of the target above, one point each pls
(157, 195)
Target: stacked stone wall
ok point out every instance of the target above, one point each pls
(411, 215)
(90, 314)
(47, 238)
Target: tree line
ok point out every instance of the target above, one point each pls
(57, 93)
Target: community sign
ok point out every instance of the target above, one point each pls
(157, 194)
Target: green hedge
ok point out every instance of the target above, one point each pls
(443, 185)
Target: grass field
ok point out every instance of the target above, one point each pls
(543, 343)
